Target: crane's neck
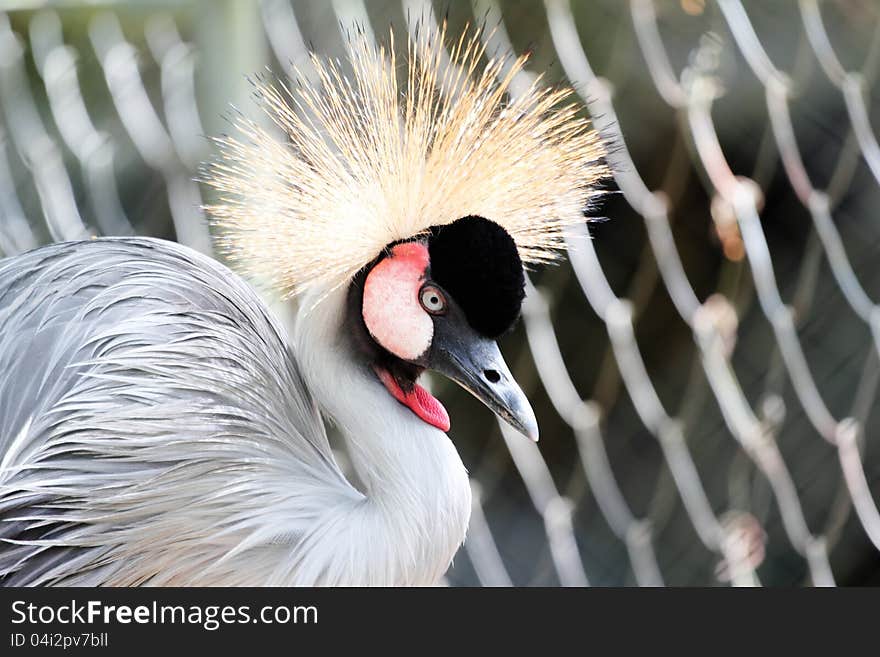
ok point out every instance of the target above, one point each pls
(418, 495)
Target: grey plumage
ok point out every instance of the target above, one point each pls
(154, 424)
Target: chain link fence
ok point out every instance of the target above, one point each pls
(704, 368)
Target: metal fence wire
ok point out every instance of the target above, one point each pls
(704, 367)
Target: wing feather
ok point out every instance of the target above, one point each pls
(150, 406)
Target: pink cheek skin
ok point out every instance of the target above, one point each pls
(391, 308)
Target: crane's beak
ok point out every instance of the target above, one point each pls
(475, 363)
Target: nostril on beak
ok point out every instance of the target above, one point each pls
(492, 376)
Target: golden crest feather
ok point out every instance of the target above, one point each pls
(366, 162)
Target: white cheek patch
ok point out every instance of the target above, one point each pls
(391, 308)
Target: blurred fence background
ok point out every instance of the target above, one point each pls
(704, 370)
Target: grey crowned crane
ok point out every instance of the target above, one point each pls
(157, 424)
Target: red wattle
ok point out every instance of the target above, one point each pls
(418, 400)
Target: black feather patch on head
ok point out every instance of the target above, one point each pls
(476, 261)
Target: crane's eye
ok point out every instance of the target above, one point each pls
(432, 300)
